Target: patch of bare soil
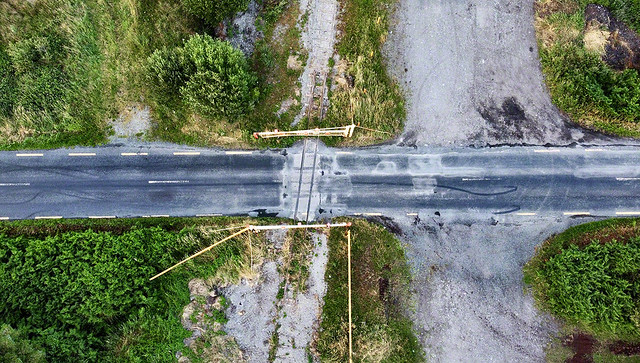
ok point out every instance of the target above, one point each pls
(270, 316)
(583, 345)
(133, 122)
(622, 348)
(621, 45)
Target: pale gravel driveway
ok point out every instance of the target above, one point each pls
(472, 75)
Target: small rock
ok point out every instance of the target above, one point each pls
(294, 63)
(198, 287)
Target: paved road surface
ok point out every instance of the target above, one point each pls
(159, 180)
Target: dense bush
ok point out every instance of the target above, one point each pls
(211, 77)
(71, 289)
(582, 82)
(592, 284)
(214, 11)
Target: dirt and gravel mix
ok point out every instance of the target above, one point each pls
(470, 303)
(472, 75)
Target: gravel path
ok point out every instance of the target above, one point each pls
(472, 75)
(470, 302)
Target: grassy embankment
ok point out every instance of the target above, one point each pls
(589, 276)
(69, 66)
(380, 280)
(580, 83)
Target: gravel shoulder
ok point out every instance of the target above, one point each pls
(470, 301)
(472, 76)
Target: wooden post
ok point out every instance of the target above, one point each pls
(349, 267)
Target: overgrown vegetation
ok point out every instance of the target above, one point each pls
(80, 289)
(589, 275)
(373, 100)
(580, 83)
(210, 76)
(214, 11)
(380, 278)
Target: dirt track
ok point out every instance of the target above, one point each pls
(472, 75)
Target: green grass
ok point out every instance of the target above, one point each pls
(381, 331)
(580, 83)
(375, 100)
(588, 276)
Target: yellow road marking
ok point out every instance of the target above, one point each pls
(49, 217)
(28, 155)
(186, 153)
(546, 151)
(82, 154)
(134, 154)
(628, 213)
(238, 152)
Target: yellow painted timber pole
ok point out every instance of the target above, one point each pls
(199, 253)
(349, 267)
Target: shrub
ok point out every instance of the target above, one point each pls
(16, 348)
(213, 12)
(593, 285)
(211, 76)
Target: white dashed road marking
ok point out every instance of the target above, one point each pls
(183, 153)
(29, 155)
(168, 181)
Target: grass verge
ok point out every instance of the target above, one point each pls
(579, 81)
(380, 278)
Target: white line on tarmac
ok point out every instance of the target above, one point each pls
(48, 217)
(412, 214)
(480, 179)
(344, 152)
(546, 151)
(628, 213)
(576, 213)
(168, 181)
(592, 150)
(159, 216)
(627, 179)
(14, 184)
(29, 155)
(4, 218)
(209, 215)
(186, 153)
(101, 217)
(134, 154)
(372, 214)
(525, 214)
(238, 152)
(82, 154)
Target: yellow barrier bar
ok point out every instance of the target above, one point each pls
(349, 266)
(199, 253)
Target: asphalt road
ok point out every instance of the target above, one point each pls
(159, 180)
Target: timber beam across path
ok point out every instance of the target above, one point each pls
(160, 180)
